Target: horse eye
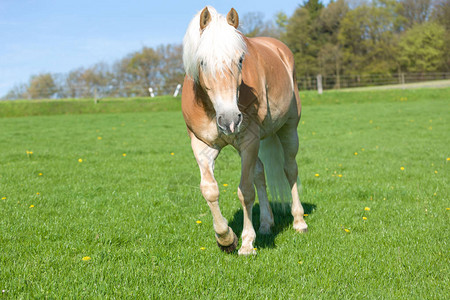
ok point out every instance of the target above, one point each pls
(241, 59)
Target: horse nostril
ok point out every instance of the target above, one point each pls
(220, 122)
(239, 119)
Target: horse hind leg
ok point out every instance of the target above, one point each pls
(289, 140)
(266, 215)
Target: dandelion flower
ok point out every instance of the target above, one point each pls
(402, 168)
(367, 208)
(435, 172)
(124, 154)
(40, 174)
(364, 218)
(448, 208)
(448, 158)
(356, 153)
(86, 258)
(80, 160)
(300, 262)
(347, 230)
(305, 215)
(31, 206)
(172, 153)
(317, 175)
(3, 198)
(225, 184)
(199, 222)
(38, 193)
(340, 175)
(99, 138)
(202, 248)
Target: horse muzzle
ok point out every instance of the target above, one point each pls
(229, 123)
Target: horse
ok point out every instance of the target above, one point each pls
(242, 92)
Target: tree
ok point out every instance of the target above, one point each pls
(253, 24)
(41, 86)
(171, 67)
(422, 48)
(415, 11)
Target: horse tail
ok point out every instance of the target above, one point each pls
(272, 156)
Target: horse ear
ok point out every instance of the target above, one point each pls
(205, 18)
(233, 18)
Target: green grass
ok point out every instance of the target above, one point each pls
(21, 108)
(135, 215)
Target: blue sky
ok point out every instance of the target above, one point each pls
(58, 36)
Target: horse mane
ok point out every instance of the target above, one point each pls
(216, 46)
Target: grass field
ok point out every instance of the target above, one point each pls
(99, 203)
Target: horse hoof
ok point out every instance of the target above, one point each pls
(247, 251)
(230, 248)
(301, 227)
(265, 230)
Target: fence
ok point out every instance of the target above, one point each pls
(350, 81)
(328, 82)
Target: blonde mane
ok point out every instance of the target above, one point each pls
(215, 47)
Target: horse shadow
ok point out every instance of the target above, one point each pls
(282, 217)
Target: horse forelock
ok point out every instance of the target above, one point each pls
(216, 46)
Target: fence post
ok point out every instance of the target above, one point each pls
(319, 84)
(177, 90)
(95, 95)
(403, 79)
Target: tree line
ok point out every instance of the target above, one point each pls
(344, 39)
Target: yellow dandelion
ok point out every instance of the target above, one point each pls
(317, 175)
(364, 218)
(448, 158)
(225, 184)
(347, 230)
(305, 215)
(124, 154)
(435, 172)
(40, 174)
(356, 153)
(367, 208)
(86, 258)
(99, 138)
(38, 193)
(172, 153)
(340, 175)
(3, 198)
(362, 149)
(370, 121)
(448, 208)
(199, 222)
(202, 248)
(255, 248)
(434, 194)
(430, 128)
(300, 262)
(402, 168)
(31, 206)
(80, 160)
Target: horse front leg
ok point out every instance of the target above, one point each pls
(206, 156)
(246, 192)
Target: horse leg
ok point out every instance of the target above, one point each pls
(266, 216)
(246, 191)
(289, 140)
(206, 156)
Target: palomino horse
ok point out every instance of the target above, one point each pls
(242, 92)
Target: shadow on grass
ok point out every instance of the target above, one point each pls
(282, 217)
